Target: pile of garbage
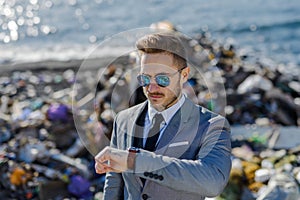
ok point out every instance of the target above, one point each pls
(41, 154)
(258, 90)
(263, 173)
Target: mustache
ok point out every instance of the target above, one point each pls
(155, 93)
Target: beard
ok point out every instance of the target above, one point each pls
(167, 99)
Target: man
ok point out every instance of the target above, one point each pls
(166, 147)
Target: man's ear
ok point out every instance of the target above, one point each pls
(185, 73)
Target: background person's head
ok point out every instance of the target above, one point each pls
(163, 68)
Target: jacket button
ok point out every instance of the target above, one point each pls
(146, 174)
(145, 196)
(155, 176)
(161, 178)
(151, 175)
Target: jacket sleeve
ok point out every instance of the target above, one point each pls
(114, 184)
(207, 175)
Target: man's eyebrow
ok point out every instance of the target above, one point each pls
(145, 74)
(161, 73)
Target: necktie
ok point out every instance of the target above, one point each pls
(154, 132)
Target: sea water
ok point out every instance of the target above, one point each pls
(37, 30)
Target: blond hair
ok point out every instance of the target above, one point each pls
(163, 43)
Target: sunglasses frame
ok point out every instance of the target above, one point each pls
(156, 78)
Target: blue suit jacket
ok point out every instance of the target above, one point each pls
(192, 159)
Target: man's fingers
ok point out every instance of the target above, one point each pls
(102, 168)
(103, 156)
(102, 159)
(110, 159)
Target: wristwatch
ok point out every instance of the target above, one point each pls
(131, 157)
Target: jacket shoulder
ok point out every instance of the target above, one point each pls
(212, 117)
(124, 114)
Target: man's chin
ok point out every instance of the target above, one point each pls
(157, 105)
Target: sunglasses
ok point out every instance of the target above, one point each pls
(162, 80)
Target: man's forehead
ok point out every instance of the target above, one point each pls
(156, 68)
(163, 58)
(161, 61)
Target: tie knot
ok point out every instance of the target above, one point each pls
(158, 119)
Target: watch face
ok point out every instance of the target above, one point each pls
(134, 149)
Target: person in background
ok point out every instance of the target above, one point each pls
(166, 147)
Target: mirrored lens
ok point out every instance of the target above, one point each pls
(143, 80)
(162, 80)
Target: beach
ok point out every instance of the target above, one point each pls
(68, 67)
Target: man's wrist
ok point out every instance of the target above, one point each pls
(131, 158)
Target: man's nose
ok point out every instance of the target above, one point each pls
(153, 87)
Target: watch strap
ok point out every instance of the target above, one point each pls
(131, 158)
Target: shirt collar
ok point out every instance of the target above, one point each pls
(168, 113)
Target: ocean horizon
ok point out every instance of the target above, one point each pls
(40, 30)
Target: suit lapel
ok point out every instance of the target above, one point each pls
(135, 126)
(177, 123)
(169, 133)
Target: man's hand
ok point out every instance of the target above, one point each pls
(111, 160)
